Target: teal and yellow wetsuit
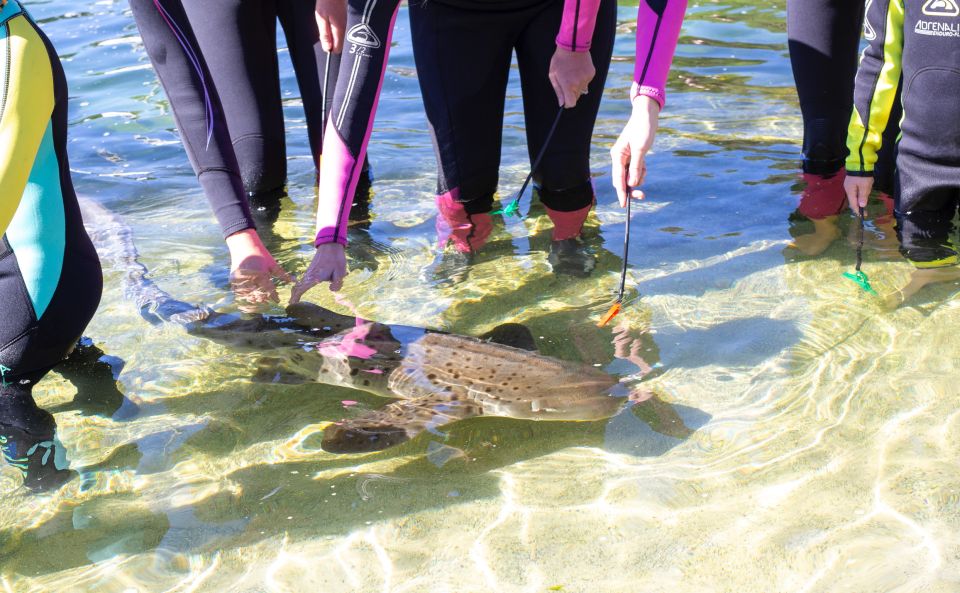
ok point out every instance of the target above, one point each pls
(50, 279)
(918, 40)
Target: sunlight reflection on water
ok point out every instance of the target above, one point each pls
(797, 440)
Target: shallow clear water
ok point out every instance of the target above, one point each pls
(805, 441)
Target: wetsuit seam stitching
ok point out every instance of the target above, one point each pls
(873, 88)
(913, 77)
(32, 329)
(343, 196)
(576, 22)
(203, 170)
(650, 50)
(7, 68)
(247, 137)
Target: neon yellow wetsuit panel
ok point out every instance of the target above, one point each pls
(877, 83)
(26, 104)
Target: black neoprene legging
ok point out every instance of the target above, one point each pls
(238, 40)
(463, 63)
(824, 38)
(218, 66)
(171, 46)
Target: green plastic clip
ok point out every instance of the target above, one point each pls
(511, 209)
(861, 280)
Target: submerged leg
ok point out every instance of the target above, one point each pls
(562, 179)
(921, 277)
(94, 374)
(28, 441)
(925, 228)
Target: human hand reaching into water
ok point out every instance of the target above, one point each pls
(331, 20)
(630, 150)
(329, 265)
(252, 270)
(570, 74)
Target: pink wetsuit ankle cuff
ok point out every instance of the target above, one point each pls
(638, 90)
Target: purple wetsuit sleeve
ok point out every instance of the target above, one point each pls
(577, 25)
(362, 68)
(658, 29)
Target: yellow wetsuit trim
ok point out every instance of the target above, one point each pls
(951, 260)
(25, 110)
(864, 137)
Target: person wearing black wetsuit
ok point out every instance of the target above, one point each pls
(463, 50)
(468, 171)
(197, 102)
(917, 42)
(238, 41)
(234, 45)
(823, 38)
(50, 276)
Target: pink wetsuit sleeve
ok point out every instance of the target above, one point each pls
(658, 29)
(363, 67)
(577, 25)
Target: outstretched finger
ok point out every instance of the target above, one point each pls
(336, 282)
(300, 288)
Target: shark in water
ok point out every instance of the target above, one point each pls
(436, 378)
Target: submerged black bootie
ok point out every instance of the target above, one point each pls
(28, 442)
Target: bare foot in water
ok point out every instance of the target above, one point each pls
(918, 280)
(824, 233)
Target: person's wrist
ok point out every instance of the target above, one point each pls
(244, 243)
(243, 238)
(331, 246)
(645, 105)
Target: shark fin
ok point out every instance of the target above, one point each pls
(396, 423)
(511, 334)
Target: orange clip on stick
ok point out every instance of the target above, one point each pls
(611, 313)
(615, 309)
